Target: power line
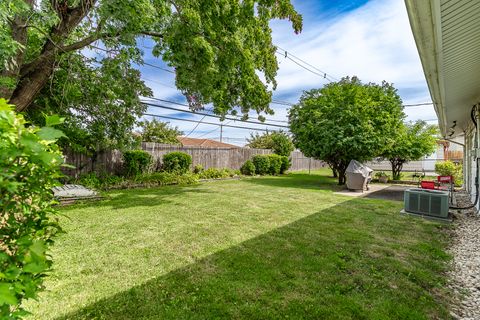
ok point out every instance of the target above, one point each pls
(157, 67)
(418, 104)
(287, 53)
(209, 123)
(195, 126)
(213, 116)
(208, 110)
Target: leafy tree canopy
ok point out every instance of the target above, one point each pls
(279, 142)
(220, 50)
(100, 104)
(346, 120)
(412, 142)
(160, 132)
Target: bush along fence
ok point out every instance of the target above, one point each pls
(111, 161)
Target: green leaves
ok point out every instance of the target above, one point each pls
(49, 134)
(7, 294)
(29, 164)
(346, 120)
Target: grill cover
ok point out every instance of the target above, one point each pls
(356, 167)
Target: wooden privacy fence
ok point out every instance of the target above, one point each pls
(233, 158)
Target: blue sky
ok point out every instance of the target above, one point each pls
(369, 39)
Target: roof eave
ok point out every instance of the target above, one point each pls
(424, 19)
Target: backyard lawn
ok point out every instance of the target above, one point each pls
(273, 247)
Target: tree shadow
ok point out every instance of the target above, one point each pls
(298, 180)
(129, 198)
(357, 260)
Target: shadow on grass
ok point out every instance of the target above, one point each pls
(357, 260)
(127, 198)
(298, 180)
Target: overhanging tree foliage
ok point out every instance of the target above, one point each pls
(100, 103)
(160, 132)
(412, 142)
(346, 120)
(218, 49)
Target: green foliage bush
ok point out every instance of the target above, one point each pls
(29, 168)
(286, 164)
(214, 173)
(448, 168)
(178, 162)
(166, 178)
(198, 168)
(248, 168)
(275, 164)
(282, 144)
(262, 164)
(105, 182)
(136, 162)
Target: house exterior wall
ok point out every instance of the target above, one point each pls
(469, 169)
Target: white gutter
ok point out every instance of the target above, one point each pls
(425, 21)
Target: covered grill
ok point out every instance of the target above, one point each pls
(358, 176)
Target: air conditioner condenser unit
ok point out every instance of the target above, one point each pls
(433, 203)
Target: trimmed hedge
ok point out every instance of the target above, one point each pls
(262, 164)
(136, 162)
(178, 162)
(248, 168)
(286, 164)
(275, 164)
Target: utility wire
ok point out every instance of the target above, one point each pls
(418, 104)
(323, 73)
(157, 67)
(208, 110)
(195, 126)
(213, 116)
(210, 123)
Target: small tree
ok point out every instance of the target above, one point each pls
(160, 132)
(412, 142)
(279, 142)
(346, 120)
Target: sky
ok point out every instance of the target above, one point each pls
(370, 39)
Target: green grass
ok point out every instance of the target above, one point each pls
(260, 248)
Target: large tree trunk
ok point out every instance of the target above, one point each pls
(397, 166)
(19, 34)
(33, 76)
(31, 84)
(341, 168)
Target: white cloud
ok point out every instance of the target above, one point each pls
(373, 42)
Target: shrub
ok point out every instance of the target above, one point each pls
(178, 162)
(286, 164)
(214, 173)
(99, 181)
(261, 163)
(448, 168)
(198, 168)
(136, 162)
(282, 144)
(275, 164)
(166, 178)
(29, 168)
(248, 168)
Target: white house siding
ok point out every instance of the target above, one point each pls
(469, 168)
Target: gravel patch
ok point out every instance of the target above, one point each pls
(465, 271)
